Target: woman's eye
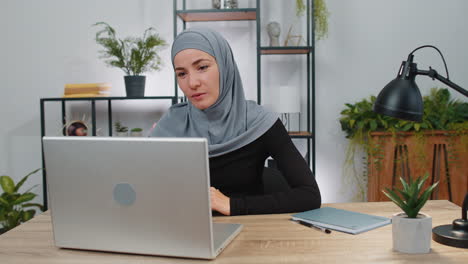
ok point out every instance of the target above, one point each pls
(180, 74)
(204, 67)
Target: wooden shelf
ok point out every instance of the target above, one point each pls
(285, 50)
(218, 14)
(300, 134)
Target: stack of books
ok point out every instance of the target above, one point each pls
(87, 90)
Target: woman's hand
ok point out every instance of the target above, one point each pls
(219, 202)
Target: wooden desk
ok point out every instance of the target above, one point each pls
(264, 239)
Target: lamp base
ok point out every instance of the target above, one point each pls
(445, 234)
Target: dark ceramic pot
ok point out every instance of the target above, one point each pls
(135, 85)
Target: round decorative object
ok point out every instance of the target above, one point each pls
(76, 128)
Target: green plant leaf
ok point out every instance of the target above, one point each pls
(403, 194)
(405, 185)
(396, 199)
(4, 202)
(423, 199)
(407, 127)
(24, 198)
(40, 206)
(20, 183)
(412, 193)
(27, 215)
(7, 184)
(373, 125)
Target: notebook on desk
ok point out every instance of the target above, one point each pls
(342, 220)
(133, 195)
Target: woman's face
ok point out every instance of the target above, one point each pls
(198, 77)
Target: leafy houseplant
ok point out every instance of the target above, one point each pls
(14, 203)
(133, 55)
(122, 131)
(360, 124)
(411, 230)
(320, 17)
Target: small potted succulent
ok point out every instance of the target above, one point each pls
(136, 132)
(133, 55)
(121, 131)
(411, 230)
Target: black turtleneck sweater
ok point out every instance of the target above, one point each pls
(239, 175)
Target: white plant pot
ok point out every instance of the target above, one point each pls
(122, 134)
(136, 134)
(412, 235)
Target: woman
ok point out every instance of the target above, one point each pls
(241, 134)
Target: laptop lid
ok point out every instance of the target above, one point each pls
(133, 195)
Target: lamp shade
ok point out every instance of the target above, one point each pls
(400, 99)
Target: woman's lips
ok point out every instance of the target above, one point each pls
(198, 96)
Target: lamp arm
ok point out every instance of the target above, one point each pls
(434, 75)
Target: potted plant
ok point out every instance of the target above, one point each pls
(13, 204)
(136, 132)
(382, 138)
(320, 17)
(411, 230)
(133, 55)
(121, 131)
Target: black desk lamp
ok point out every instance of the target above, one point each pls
(401, 99)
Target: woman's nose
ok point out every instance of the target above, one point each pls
(194, 82)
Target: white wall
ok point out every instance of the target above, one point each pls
(45, 44)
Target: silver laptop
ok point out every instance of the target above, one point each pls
(133, 195)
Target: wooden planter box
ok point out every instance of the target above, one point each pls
(441, 154)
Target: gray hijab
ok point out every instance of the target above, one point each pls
(231, 122)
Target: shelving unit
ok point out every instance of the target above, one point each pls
(197, 15)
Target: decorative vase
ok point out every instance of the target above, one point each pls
(412, 235)
(135, 85)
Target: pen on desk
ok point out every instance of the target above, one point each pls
(319, 228)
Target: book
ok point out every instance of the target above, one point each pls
(87, 85)
(342, 220)
(82, 88)
(84, 95)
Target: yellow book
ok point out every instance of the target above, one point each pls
(85, 91)
(103, 86)
(85, 95)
